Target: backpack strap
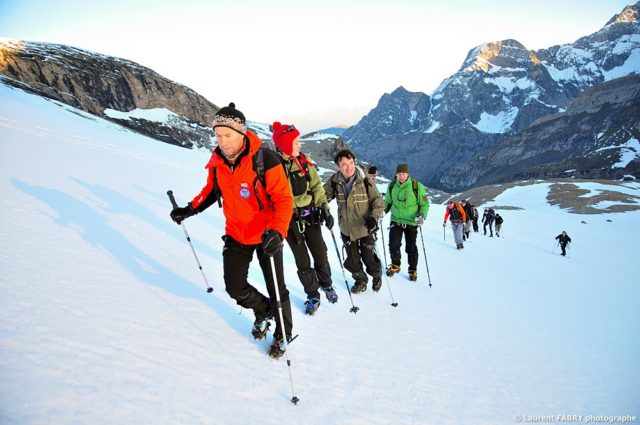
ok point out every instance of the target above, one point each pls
(216, 188)
(367, 183)
(414, 184)
(258, 167)
(393, 182)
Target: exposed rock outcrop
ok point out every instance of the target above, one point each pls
(95, 83)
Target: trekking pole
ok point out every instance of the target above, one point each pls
(425, 256)
(353, 309)
(175, 205)
(393, 302)
(384, 252)
(444, 232)
(294, 399)
(555, 245)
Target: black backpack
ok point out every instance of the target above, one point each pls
(455, 214)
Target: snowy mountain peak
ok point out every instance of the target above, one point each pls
(400, 91)
(500, 90)
(486, 57)
(630, 14)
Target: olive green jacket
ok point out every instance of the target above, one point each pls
(363, 201)
(314, 191)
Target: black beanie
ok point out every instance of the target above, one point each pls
(402, 168)
(232, 118)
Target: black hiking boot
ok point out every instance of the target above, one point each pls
(311, 306)
(276, 349)
(377, 283)
(359, 287)
(331, 294)
(260, 328)
(413, 275)
(393, 269)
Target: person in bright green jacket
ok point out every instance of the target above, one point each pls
(407, 200)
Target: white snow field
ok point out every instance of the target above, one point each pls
(104, 318)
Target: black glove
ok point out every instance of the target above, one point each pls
(328, 221)
(371, 223)
(180, 213)
(327, 217)
(271, 242)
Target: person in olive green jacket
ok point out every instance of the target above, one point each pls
(309, 212)
(360, 206)
(407, 200)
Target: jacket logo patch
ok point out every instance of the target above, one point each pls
(245, 193)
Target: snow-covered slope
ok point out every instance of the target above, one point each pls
(104, 318)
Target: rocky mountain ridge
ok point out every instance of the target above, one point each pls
(590, 139)
(95, 83)
(129, 94)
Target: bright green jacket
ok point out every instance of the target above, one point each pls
(402, 201)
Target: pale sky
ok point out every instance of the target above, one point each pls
(314, 63)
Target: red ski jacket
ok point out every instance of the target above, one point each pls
(245, 221)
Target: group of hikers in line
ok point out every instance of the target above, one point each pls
(463, 215)
(275, 194)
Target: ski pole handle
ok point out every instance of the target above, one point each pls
(172, 199)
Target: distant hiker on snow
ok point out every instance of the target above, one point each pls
(360, 206)
(564, 240)
(487, 218)
(468, 211)
(456, 214)
(309, 212)
(257, 219)
(373, 172)
(475, 218)
(499, 221)
(406, 198)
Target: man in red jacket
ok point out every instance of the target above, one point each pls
(456, 214)
(257, 218)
